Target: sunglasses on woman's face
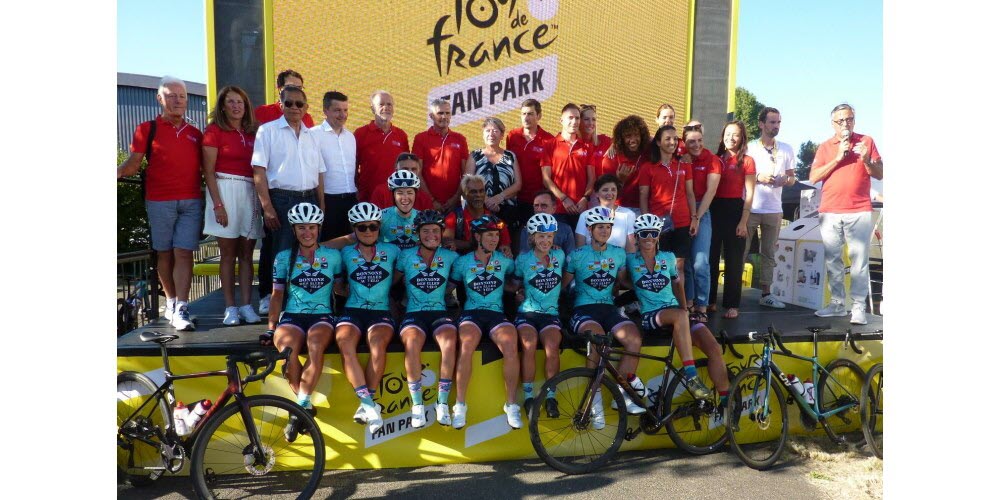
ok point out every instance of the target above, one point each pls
(364, 228)
(647, 233)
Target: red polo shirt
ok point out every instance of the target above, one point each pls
(382, 198)
(174, 172)
(569, 161)
(704, 164)
(443, 157)
(665, 187)
(629, 197)
(529, 155)
(733, 180)
(235, 150)
(270, 112)
(451, 219)
(376, 156)
(848, 187)
(597, 151)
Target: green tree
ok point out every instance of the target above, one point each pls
(807, 151)
(747, 109)
(133, 227)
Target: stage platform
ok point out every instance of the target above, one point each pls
(211, 337)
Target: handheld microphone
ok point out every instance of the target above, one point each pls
(846, 137)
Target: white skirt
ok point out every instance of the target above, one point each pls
(242, 208)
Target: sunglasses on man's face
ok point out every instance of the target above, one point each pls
(689, 128)
(365, 228)
(294, 104)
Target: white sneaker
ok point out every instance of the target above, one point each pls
(458, 415)
(832, 309)
(231, 317)
(265, 304)
(417, 418)
(858, 316)
(168, 312)
(359, 415)
(182, 319)
(630, 406)
(597, 413)
(513, 411)
(248, 314)
(443, 415)
(374, 417)
(770, 301)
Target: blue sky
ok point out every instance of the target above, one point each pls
(800, 57)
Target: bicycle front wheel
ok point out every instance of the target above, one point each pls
(840, 387)
(226, 464)
(580, 439)
(757, 419)
(871, 409)
(139, 433)
(695, 426)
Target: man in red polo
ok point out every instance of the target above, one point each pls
(846, 163)
(379, 144)
(442, 154)
(567, 169)
(173, 194)
(528, 143)
(270, 112)
(457, 233)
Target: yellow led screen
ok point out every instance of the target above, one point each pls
(487, 56)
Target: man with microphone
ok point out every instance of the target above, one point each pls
(846, 164)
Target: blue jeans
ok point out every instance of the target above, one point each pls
(696, 268)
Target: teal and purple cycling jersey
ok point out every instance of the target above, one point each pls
(368, 282)
(595, 273)
(483, 281)
(542, 279)
(426, 283)
(654, 286)
(309, 287)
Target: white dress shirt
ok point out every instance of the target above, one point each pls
(767, 199)
(339, 152)
(292, 163)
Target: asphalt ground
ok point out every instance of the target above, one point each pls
(640, 474)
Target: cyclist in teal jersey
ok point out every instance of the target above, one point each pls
(306, 317)
(368, 266)
(484, 273)
(595, 270)
(425, 270)
(538, 277)
(397, 220)
(654, 277)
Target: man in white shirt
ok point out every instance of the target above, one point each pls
(775, 169)
(287, 168)
(339, 151)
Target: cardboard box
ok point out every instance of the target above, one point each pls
(800, 270)
(809, 202)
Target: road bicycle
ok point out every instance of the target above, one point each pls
(757, 412)
(871, 409)
(583, 435)
(236, 449)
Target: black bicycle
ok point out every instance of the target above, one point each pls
(871, 409)
(236, 449)
(583, 435)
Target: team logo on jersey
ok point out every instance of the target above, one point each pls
(545, 281)
(603, 264)
(311, 280)
(427, 280)
(654, 282)
(538, 266)
(484, 284)
(369, 274)
(600, 280)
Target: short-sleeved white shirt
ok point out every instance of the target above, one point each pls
(767, 199)
(624, 225)
(292, 163)
(339, 152)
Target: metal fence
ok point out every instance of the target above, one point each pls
(139, 289)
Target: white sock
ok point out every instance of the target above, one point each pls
(171, 303)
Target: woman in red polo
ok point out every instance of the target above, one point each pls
(730, 211)
(235, 214)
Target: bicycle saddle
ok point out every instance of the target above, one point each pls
(158, 337)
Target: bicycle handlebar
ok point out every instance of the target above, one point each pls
(726, 341)
(597, 339)
(772, 336)
(255, 360)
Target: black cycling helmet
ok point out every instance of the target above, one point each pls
(485, 223)
(425, 217)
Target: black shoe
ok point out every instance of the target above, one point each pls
(292, 428)
(551, 408)
(528, 403)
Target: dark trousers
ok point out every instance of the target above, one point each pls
(335, 221)
(282, 238)
(726, 213)
(512, 216)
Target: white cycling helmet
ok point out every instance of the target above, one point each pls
(542, 223)
(364, 211)
(305, 213)
(403, 179)
(648, 221)
(598, 215)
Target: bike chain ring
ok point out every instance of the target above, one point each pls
(173, 457)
